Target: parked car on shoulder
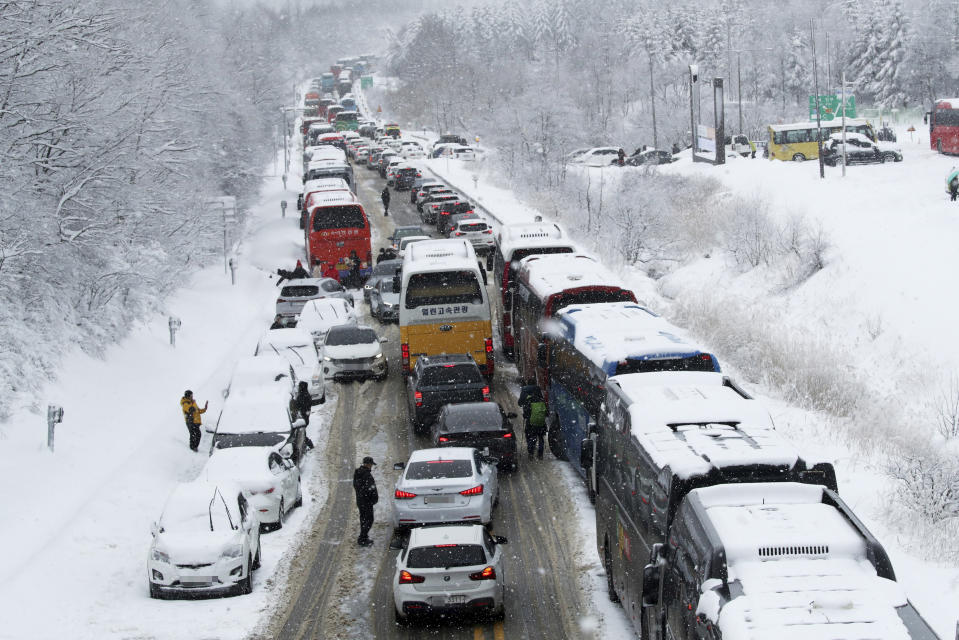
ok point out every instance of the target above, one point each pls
(255, 374)
(481, 425)
(319, 316)
(599, 157)
(450, 484)
(270, 482)
(354, 352)
(449, 570)
(296, 293)
(297, 346)
(263, 421)
(859, 150)
(439, 380)
(650, 156)
(206, 542)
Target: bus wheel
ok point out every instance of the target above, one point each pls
(799, 157)
(608, 565)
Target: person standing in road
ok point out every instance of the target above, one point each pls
(191, 414)
(621, 157)
(385, 197)
(534, 417)
(365, 487)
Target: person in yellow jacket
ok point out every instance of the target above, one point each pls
(191, 414)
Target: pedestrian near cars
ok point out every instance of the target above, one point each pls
(621, 157)
(303, 402)
(365, 487)
(381, 256)
(191, 415)
(952, 184)
(330, 271)
(534, 418)
(385, 197)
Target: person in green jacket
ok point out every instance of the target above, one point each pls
(952, 184)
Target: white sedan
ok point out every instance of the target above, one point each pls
(207, 541)
(598, 157)
(269, 481)
(297, 347)
(449, 569)
(353, 352)
(452, 484)
(319, 316)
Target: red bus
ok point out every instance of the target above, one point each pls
(943, 123)
(513, 243)
(544, 285)
(337, 228)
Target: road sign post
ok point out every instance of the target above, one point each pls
(174, 324)
(54, 417)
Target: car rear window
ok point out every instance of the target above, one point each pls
(300, 291)
(474, 419)
(476, 226)
(228, 441)
(434, 469)
(350, 335)
(445, 556)
(451, 374)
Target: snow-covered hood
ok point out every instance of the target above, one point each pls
(191, 547)
(351, 351)
(390, 298)
(884, 145)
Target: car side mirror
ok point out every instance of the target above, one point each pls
(651, 575)
(500, 540)
(286, 451)
(399, 466)
(384, 339)
(491, 460)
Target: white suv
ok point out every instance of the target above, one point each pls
(449, 569)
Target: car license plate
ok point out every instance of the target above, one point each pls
(196, 579)
(456, 600)
(437, 499)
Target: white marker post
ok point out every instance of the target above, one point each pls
(54, 417)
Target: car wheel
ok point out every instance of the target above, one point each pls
(798, 157)
(245, 586)
(256, 558)
(279, 515)
(299, 495)
(882, 159)
(608, 565)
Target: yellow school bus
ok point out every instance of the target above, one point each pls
(797, 141)
(444, 307)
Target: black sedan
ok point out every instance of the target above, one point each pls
(482, 425)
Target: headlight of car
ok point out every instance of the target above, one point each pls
(233, 551)
(327, 359)
(160, 556)
(368, 287)
(379, 355)
(317, 378)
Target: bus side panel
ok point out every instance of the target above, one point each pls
(461, 336)
(573, 423)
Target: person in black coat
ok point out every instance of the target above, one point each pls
(303, 402)
(528, 394)
(385, 197)
(366, 496)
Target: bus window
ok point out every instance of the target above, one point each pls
(698, 362)
(348, 217)
(446, 287)
(797, 135)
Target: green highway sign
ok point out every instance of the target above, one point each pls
(830, 109)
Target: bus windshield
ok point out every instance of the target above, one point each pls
(342, 217)
(589, 296)
(445, 287)
(947, 117)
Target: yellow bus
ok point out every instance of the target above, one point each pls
(444, 307)
(797, 141)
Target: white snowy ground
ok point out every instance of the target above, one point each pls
(891, 270)
(76, 523)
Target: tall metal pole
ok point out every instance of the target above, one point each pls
(652, 100)
(815, 68)
(843, 106)
(739, 89)
(693, 71)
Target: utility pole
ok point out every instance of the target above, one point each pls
(739, 88)
(828, 65)
(843, 106)
(693, 77)
(815, 69)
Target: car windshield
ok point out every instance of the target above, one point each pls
(300, 291)
(196, 516)
(387, 268)
(228, 441)
(339, 336)
(447, 555)
(451, 374)
(434, 469)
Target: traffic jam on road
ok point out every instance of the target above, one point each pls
(709, 523)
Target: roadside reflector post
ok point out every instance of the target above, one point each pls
(233, 265)
(174, 324)
(54, 417)
(283, 202)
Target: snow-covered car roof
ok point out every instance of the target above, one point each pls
(264, 412)
(801, 566)
(444, 453)
(283, 338)
(266, 364)
(238, 463)
(446, 534)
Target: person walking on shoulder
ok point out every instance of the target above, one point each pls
(385, 197)
(534, 418)
(952, 184)
(365, 487)
(191, 414)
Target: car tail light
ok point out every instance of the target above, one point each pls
(443, 439)
(280, 300)
(408, 578)
(485, 394)
(459, 233)
(490, 231)
(405, 354)
(474, 491)
(403, 495)
(508, 434)
(418, 396)
(489, 356)
(489, 573)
